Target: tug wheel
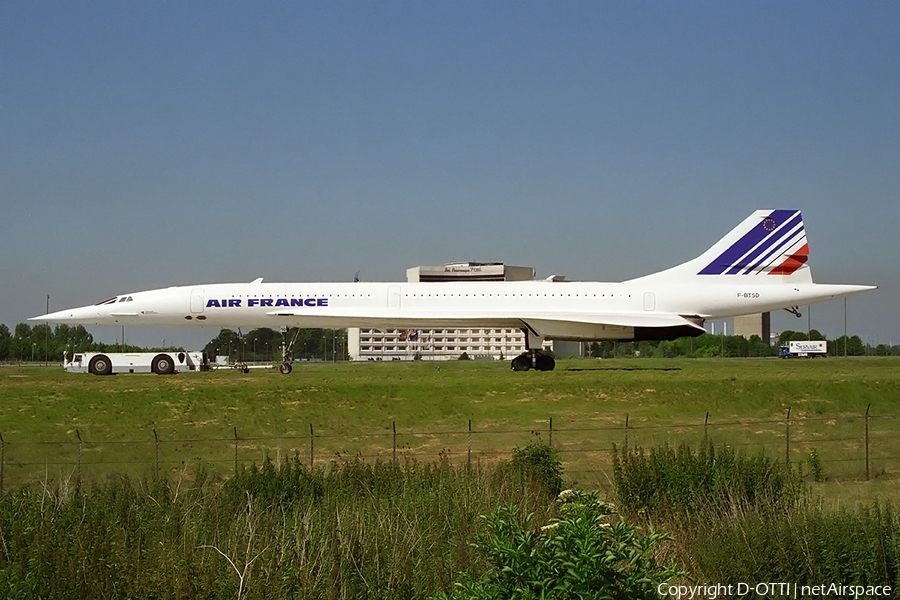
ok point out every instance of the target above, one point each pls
(100, 365)
(162, 364)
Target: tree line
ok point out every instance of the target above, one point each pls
(736, 346)
(264, 344)
(42, 342)
(45, 343)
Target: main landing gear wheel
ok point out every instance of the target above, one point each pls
(162, 364)
(544, 362)
(539, 361)
(521, 363)
(285, 368)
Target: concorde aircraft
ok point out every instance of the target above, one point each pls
(759, 266)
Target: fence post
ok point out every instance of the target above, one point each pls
(156, 455)
(626, 433)
(469, 448)
(867, 440)
(394, 452)
(2, 461)
(551, 432)
(787, 439)
(311, 450)
(80, 449)
(235, 450)
(705, 427)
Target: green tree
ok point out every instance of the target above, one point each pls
(21, 342)
(815, 334)
(5, 342)
(663, 351)
(623, 349)
(853, 344)
(265, 344)
(707, 346)
(73, 339)
(736, 346)
(41, 340)
(789, 335)
(227, 343)
(757, 347)
(262, 344)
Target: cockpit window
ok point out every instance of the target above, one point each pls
(123, 299)
(110, 301)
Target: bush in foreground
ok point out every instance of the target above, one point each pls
(586, 553)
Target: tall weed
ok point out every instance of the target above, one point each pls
(681, 481)
(348, 530)
(806, 547)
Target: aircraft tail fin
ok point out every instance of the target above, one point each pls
(767, 243)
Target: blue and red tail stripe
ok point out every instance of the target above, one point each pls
(776, 246)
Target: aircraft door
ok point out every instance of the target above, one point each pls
(649, 301)
(197, 300)
(394, 297)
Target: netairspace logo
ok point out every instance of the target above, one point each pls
(771, 590)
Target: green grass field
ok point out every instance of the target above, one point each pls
(352, 409)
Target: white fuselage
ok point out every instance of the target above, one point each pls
(555, 310)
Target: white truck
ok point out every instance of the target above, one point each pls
(161, 363)
(816, 349)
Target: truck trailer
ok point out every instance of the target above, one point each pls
(816, 349)
(161, 363)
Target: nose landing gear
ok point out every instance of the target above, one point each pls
(286, 348)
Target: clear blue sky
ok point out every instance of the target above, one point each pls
(148, 144)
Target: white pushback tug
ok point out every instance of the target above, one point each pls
(161, 363)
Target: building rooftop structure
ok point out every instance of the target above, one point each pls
(469, 271)
(444, 344)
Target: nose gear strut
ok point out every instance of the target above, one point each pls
(286, 351)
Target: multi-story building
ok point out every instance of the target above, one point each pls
(434, 344)
(444, 344)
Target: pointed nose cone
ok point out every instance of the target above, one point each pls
(83, 314)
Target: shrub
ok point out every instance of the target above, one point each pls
(585, 553)
(538, 463)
